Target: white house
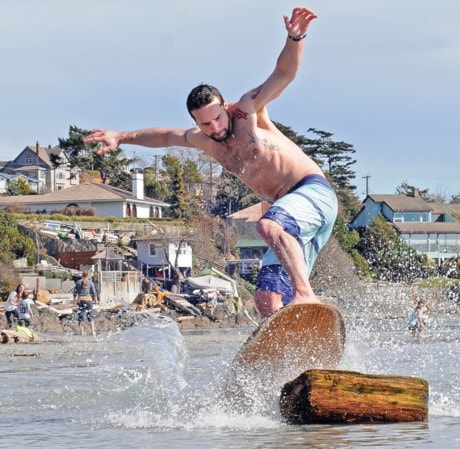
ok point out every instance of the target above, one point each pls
(152, 252)
(103, 199)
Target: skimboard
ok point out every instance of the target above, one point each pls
(292, 340)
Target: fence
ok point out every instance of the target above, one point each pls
(119, 287)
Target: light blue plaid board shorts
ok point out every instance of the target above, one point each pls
(307, 212)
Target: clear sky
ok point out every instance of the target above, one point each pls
(382, 75)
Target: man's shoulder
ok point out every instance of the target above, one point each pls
(195, 136)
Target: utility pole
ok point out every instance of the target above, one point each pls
(367, 184)
(155, 163)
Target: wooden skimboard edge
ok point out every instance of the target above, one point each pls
(302, 313)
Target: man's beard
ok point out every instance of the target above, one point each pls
(222, 138)
(228, 132)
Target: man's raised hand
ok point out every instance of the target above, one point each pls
(298, 24)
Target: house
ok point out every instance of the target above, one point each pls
(250, 246)
(245, 220)
(6, 180)
(49, 166)
(428, 227)
(101, 200)
(153, 256)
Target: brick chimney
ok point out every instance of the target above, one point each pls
(138, 183)
(416, 192)
(37, 147)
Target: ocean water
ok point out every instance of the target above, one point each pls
(155, 386)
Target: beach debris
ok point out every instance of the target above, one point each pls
(348, 397)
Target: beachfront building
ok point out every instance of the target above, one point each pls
(96, 199)
(155, 254)
(428, 227)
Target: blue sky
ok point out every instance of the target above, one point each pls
(382, 75)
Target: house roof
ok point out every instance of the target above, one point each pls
(403, 203)
(452, 209)
(44, 153)
(82, 192)
(29, 168)
(428, 227)
(251, 213)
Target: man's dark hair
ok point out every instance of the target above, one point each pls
(201, 96)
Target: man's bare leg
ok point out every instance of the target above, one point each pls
(291, 257)
(267, 303)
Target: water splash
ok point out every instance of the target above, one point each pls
(159, 389)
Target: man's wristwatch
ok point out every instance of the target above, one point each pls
(297, 38)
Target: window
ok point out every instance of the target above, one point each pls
(152, 249)
(28, 161)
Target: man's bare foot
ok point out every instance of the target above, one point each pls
(305, 300)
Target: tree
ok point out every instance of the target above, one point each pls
(192, 177)
(232, 195)
(174, 175)
(409, 190)
(19, 186)
(335, 160)
(389, 257)
(155, 189)
(122, 180)
(12, 241)
(87, 158)
(335, 157)
(455, 199)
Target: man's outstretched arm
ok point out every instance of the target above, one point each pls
(150, 137)
(288, 63)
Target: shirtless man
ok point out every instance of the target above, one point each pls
(242, 138)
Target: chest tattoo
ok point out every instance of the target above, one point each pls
(264, 143)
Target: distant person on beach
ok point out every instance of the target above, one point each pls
(243, 139)
(12, 306)
(85, 295)
(419, 318)
(26, 314)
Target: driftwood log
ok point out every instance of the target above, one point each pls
(20, 335)
(327, 396)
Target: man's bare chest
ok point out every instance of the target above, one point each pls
(245, 150)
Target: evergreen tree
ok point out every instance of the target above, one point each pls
(174, 174)
(409, 190)
(332, 156)
(122, 180)
(86, 157)
(155, 189)
(19, 187)
(192, 177)
(335, 157)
